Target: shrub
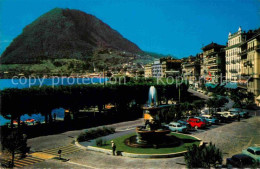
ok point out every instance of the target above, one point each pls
(203, 157)
(81, 137)
(99, 142)
(111, 130)
(95, 133)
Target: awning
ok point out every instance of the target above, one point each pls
(211, 85)
(231, 85)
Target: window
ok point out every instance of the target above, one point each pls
(250, 151)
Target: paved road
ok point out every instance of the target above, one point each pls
(198, 94)
(63, 139)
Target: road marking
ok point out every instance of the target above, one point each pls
(82, 165)
(41, 155)
(69, 149)
(22, 162)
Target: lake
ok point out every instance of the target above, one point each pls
(29, 82)
(26, 83)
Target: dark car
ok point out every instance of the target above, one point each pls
(222, 118)
(240, 161)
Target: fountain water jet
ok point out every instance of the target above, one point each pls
(152, 133)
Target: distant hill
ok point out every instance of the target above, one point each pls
(158, 55)
(65, 34)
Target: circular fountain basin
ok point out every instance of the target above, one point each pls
(152, 138)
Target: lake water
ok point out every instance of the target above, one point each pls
(29, 82)
(37, 117)
(26, 83)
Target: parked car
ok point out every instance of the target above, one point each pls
(253, 152)
(239, 111)
(211, 119)
(185, 123)
(222, 118)
(196, 123)
(227, 114)
(174, 126)
(240, 161)
(208, 123)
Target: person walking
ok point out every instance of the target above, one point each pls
(113, 145)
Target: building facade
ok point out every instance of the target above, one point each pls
(233, 59)
(163, 67)
(157, 69)
(191, 68)
(250, 66)
(148, 70)
(213, 63)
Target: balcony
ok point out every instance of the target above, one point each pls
(233, 71)
(242, 84)
(244, 52)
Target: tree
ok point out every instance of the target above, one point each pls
(186, 107)
(210, 103)
(15, 143)
(249, 98)
(198, 105)
(203, 157)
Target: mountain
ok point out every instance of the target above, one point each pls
(65, 34)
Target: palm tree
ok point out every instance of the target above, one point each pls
(198, 105)
(210, 103)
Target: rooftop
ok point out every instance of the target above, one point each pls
(212, 46)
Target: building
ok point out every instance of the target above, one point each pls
(158, 68)
(163, 67)
(191, 68)
(213, 63)
(233, 64)
(250, 65)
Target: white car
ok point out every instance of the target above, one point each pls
(253, 152)
(239, 111)
(177, 127)
(227, 114)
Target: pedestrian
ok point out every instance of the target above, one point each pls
(113, 145)
(238, 118)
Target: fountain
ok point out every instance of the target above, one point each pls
(152, 134)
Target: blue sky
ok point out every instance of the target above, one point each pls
(176, 27)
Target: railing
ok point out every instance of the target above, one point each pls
(249, 50)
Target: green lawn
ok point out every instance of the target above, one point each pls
(122, 147)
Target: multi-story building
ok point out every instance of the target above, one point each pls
(157, 69)
(148, 70)
(250, 65)
(163, 67)
(191, 68)
(173, 67)
(233, 59)
(213, 63)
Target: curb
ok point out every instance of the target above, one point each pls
(133, 155)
